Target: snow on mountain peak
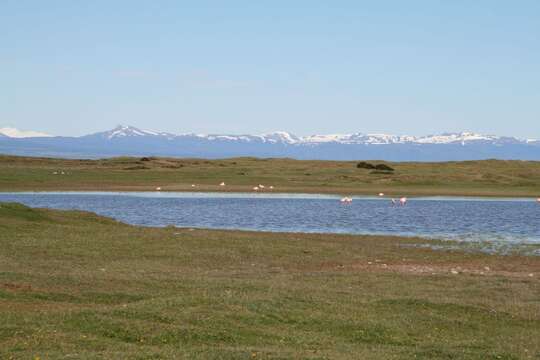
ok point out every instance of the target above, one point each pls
(324, 138)
(447, 138)
(122, 131)
(282, 137)
(380, 139)
(16, 133)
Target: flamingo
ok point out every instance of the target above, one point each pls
(393, 201)
(193, 185)
(261, 186)
(256, 188)
(158, 189)
(222, 184)
(271, 187)
(403, 201)
(346, 200)
(381, 194)
(538, 200)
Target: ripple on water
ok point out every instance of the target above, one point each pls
(490, 224)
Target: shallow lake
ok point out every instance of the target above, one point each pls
(503, 221)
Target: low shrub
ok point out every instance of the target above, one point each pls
(380, 167)
(365, 165)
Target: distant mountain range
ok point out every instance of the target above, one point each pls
(129, 140)
(16, 133)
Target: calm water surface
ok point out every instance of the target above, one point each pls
(511, 221)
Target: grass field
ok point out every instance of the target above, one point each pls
(480, 178)
(75, 285)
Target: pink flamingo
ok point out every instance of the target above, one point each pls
(403, 201)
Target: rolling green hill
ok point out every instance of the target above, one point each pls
(482, 178)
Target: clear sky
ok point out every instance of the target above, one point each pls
(404, 67)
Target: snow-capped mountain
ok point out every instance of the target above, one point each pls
(385, 139)
(271, 138)
(16, 133)
(129, 140)
(122, 131)
(358, 139)
(282, 137)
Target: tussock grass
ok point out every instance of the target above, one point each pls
(76, 285)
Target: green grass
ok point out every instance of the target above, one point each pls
(482, 178)
(76, 285)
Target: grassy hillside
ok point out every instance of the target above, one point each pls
(75, 285)
(485, 178)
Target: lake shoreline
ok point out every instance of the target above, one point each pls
(72, 282)
(249, 191)
(465, 220)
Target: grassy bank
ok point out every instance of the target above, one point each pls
(76, 285)
(480, 178)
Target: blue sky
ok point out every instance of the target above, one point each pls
(406, 67)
